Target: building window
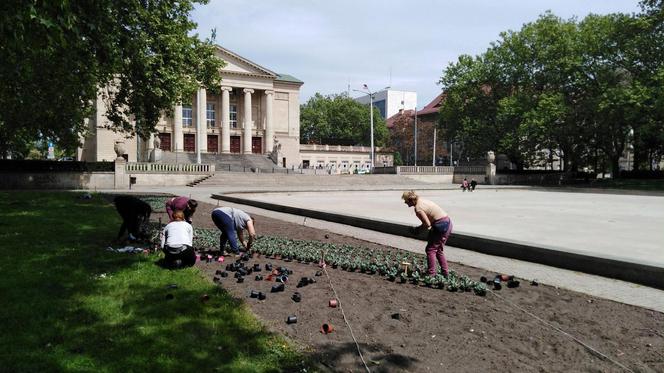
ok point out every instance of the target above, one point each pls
(233, 115)
(210, 115)
(187, 113)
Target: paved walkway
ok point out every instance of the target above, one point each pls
(619, 226)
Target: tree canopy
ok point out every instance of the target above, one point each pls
(581, 90)
(339, 120)
(57, 56)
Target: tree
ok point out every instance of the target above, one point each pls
(339, 120)
(58, 56)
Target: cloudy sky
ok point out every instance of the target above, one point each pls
(331, 44)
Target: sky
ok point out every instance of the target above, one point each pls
(334, 44)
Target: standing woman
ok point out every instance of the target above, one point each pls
(436, 220)
(232, 223)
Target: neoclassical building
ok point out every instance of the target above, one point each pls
(255, 110)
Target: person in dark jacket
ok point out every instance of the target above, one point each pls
(135, 213)
(473, 184)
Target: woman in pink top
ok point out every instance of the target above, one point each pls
(439, 225)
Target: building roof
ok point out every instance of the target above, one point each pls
(288, 79)
(433, 106)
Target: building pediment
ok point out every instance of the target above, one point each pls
(238, 65)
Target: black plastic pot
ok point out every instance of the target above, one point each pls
(391, 278)
(253, 294)
(224, 274)
(240, 280)
(268, 266)
(534, 283)
(513, 284)
(403, 280)
(259, 278)
(237, 275)
(257, 267)
(291, 319)
(218, 272)
(396, 316)
(244, 257)
(297, 297)
(230, 267)
(483, 279)
(216, 279)
(261, 296)
(497, 286)
(282, 279)
(277, 288)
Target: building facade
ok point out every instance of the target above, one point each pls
(255, 109)
(389, 101)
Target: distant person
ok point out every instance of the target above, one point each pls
(232, 223)
(439, 225)
(135, 213)
(473, 184)
(184, 204)
(464, 184)
(177, 242)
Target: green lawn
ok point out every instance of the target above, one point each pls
(67, 304)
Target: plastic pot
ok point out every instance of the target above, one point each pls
(513, 284)
(261, 295)
(224, 274)
(253, 294)
(277, 288)
(259, 278)
(497, 286)
(257, 267)
(534, 283)
(333, 303)
(291, 319)
(483, 279)
(216, 279)
(218, 272)
(297, 297)
(240, 280)
(268, 266)
(326, 329)
(282, 279)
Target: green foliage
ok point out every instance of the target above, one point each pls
(57, 57)
(339, 120)
(68, 304)
(578, 90)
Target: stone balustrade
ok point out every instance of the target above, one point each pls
(160, 168)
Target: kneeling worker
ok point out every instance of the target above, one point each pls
(177, 242)
(184, 204)
(232, 222)
(135, 215)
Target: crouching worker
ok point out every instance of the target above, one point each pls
(177, 241)
(135, 214)
(439, 226)
(184, 204)
(232, 223)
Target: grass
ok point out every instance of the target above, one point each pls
(70, 305)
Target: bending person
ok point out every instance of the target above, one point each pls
(184, 204)
(177, 242)
(232, 223)
(436, 220)
(135, 213)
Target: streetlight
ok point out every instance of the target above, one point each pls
(365, 89)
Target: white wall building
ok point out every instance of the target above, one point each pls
(390, 101)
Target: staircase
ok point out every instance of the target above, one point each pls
(227, 162)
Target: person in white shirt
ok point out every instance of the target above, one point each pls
(232, 223)
(177, 241)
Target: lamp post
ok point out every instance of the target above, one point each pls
(365, 89)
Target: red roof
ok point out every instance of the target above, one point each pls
(433, 106)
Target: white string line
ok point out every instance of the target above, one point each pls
(345, 319)
(596, 352)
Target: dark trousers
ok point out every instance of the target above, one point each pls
(187, 256)
(134, 213)
(227, 228)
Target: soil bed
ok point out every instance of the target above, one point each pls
(405, 327)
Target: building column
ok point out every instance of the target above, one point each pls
(201, 121)
(225, 120)
(248, 122)
(269, 125)
(178, 138)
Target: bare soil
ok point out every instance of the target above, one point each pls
(405, 327)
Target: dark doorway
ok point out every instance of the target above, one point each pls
(165, 141)
(235, 144)
(213, 144)
(283, 162)
(257, 145)
(189, 142)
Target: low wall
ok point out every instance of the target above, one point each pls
(553, 178)
(425, 170)
(636, 272)
(57, 180)
(155, 179)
